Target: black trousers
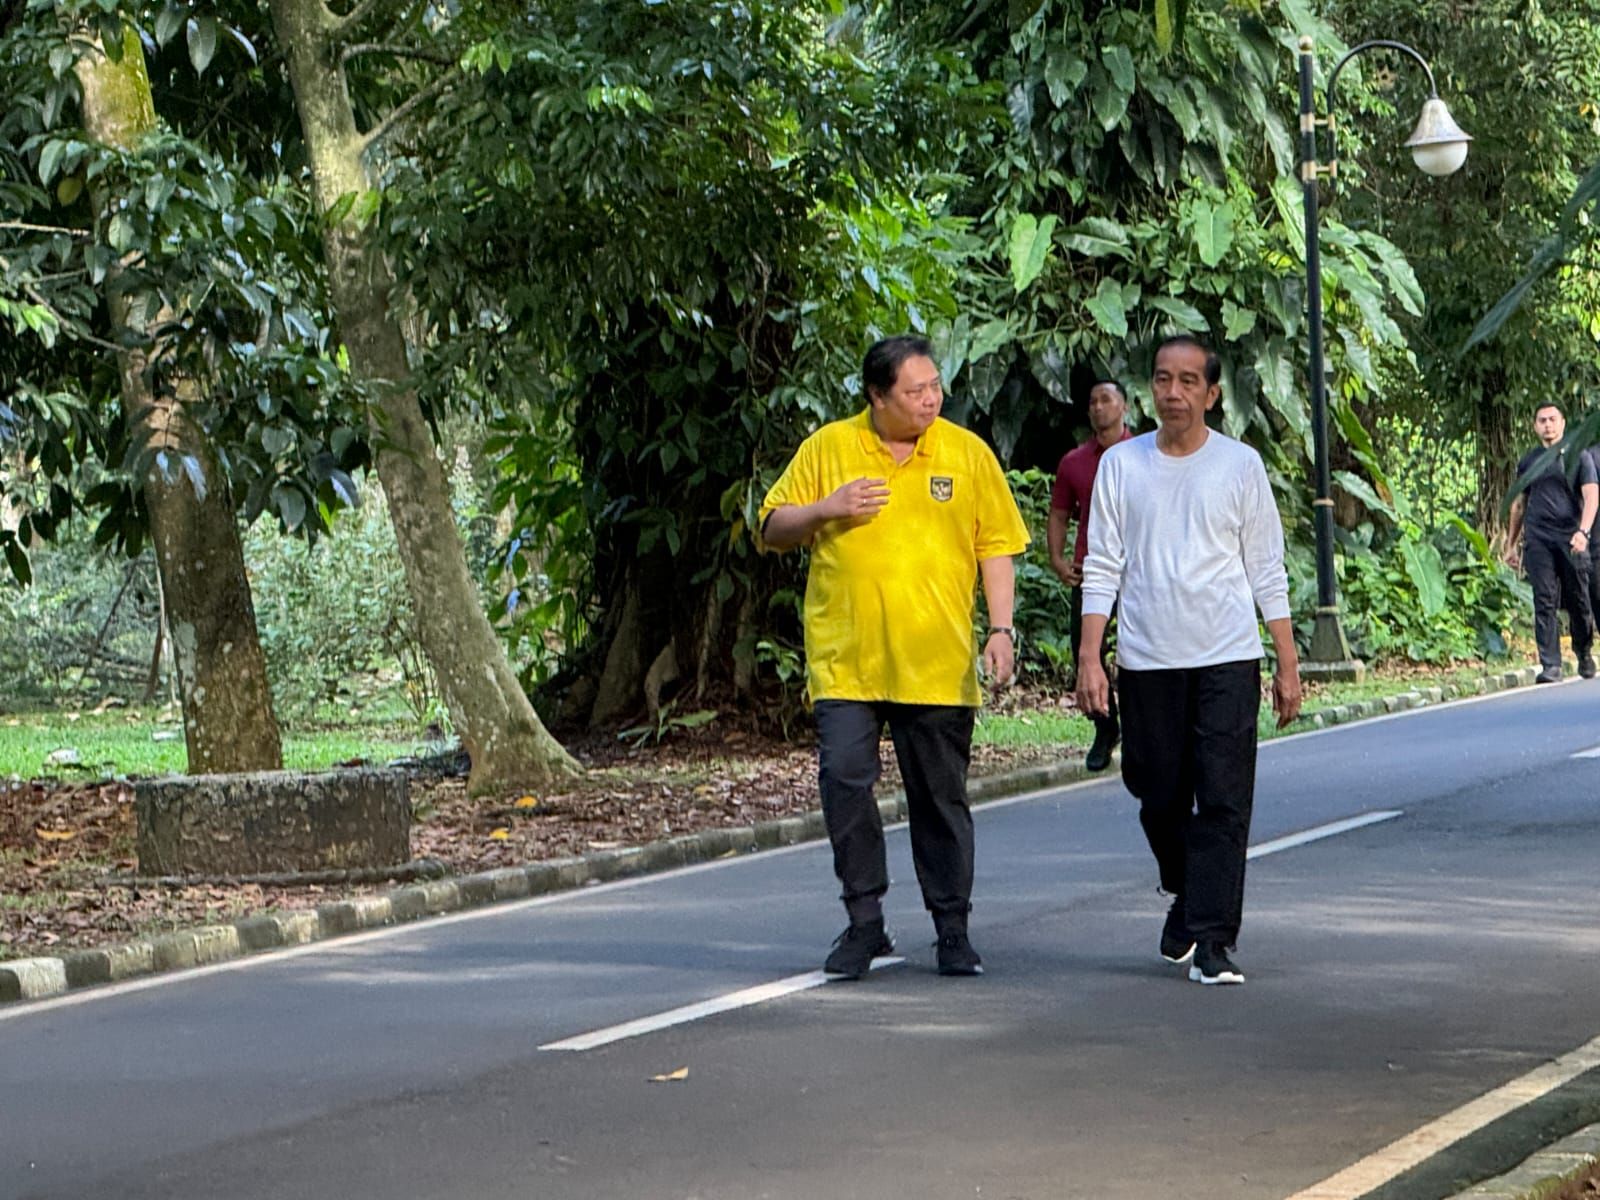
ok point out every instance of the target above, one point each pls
(1559, 579)
(933, 744)
(1189, 757)
(1075, 632)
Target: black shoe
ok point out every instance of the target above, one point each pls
(1177, 947)
(1586, 666)
(1212, 965)
(956, 955)
(1548, 676)
(856, 947)
(1106, 736)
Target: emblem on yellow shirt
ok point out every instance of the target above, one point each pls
(941, 487)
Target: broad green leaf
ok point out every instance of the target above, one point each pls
(291, 506)
(1109, 309)
(1110, 102)
(18, 560)
(1397, 271)
(1030, 246)
(1097, 237)
(168, 22)
(1236, 321)
(1364, 492)
(1427, 572)
(1064, 73)
(1213, 231)
(1188, 317)
(1120, 63)
(50, 159)
(202, 42)
(1277, 384)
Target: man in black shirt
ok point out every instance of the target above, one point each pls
(1553, 519)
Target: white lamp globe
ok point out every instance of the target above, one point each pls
(1438, 145)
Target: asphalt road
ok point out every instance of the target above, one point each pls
(1396, 971)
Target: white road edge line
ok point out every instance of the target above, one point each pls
(1592, 752)
(705, 1008)
(1290, 841)
(1400, 1156)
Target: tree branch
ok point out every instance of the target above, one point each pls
(25, 227)
(387, 126)
(346, 25)
(357, 49)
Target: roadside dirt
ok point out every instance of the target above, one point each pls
(63, 844)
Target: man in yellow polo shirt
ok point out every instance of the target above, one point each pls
(903, 513)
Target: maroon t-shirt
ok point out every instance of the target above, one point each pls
(1075, 485)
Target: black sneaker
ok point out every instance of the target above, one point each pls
(1106, 736)
(1586, 666)
(856, 947)
(1212, 965)
(956, 955)
(1548, 675)
(1177, 947)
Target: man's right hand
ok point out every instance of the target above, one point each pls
(1513, 556)
(1094, 689)
(858, 500)
(1070, 573)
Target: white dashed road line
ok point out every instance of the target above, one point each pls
(1290, 841)
(705, 1008)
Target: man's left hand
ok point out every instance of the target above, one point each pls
(999, 658)
(1286, 694)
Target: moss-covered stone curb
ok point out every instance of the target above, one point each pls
(1548, 1166)
(37, 978)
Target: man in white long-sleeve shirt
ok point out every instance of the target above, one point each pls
(1183, 529)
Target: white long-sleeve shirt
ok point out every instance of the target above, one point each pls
(1192, 545)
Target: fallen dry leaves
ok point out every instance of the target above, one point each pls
(60, 841)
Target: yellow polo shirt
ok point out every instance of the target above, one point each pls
(888, 611)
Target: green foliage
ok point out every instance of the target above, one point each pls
(666, 723)
(1523, 78)
(660, 237)
(1043, 605)
(84, 629)
(172, 249)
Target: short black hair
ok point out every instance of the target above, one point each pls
(1107, 381)
(881, 367)
(1213, 363)
(1544, 404)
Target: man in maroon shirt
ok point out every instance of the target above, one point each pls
(1069, 503)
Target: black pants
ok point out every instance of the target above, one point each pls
(933, 744)
(1189, 757)
(1107, 723)
(1559, 579)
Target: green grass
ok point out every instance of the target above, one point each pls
(124, 742)
(1071, 731)
(1032, 729)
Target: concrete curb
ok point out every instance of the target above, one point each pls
(38, 978)
(1554, 1162)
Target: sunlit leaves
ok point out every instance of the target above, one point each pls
(1030, 246)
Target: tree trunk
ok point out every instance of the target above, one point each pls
(1495, 424)
(507, 742)
(228, 719)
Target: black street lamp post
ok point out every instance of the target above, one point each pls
(1439, 147)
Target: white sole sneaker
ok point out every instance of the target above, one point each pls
(1198, 976)
(1181, 959)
